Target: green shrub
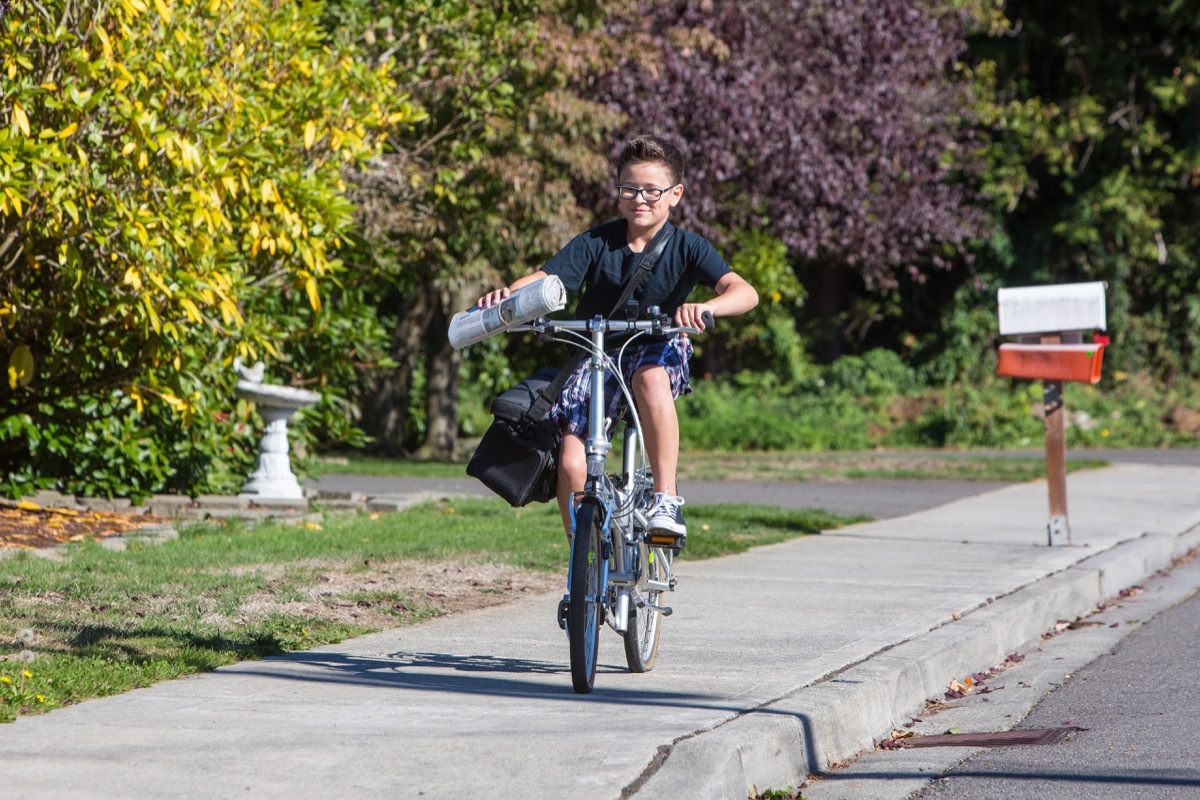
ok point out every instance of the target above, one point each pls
(993, 414)
(171, 197)
(722, 417)
(876, 373)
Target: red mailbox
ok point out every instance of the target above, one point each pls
(1079, 363)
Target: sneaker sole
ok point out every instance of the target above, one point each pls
(669, 528)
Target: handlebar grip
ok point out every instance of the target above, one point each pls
(708, 320)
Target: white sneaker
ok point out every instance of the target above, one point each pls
(665, 517)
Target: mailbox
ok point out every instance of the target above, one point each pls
(1052, 309)
(1052, 362)
(1050, 322)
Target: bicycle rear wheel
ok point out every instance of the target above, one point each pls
(583, 612)
(644, 625)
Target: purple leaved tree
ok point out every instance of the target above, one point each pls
(835, 124)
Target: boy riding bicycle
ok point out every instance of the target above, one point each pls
(649, 185)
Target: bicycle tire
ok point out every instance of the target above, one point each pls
(583, 611)
(644, 626)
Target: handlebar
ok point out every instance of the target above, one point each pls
(657, 324)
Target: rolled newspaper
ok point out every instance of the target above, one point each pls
(527, 303)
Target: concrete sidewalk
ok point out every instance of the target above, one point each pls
(776, 662)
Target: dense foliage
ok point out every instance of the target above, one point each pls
(321, 185)
(1094, 164)
(476, 194)
(834, 127)
(171, 198)
(832, 124)
(876, 401)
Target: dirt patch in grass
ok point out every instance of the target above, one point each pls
(376, 596)
(384, 594)
(867, 465)
(840, 466)
(1184, 420)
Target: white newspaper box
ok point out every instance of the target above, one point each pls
(1060, 308)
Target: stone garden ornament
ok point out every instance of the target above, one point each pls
(272, 477)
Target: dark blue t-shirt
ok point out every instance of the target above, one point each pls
(600, 261)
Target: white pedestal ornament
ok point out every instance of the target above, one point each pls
(272, 477)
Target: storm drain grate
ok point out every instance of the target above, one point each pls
(1000, 739)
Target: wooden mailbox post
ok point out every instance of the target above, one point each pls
(1049, 322)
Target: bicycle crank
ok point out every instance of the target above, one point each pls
(666, 611)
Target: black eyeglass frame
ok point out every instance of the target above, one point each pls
(634, 191)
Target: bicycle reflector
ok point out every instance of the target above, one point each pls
(662, 539)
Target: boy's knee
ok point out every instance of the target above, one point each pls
(652, 379)
(571, 458)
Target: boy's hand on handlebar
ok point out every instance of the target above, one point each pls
(493, 297)
(691, 315)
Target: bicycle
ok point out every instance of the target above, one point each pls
(618, 570)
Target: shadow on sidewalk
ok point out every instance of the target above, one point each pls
(440, 672)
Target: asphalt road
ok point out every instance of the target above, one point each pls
(1139, 705)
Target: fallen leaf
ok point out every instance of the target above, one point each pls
(28, 525)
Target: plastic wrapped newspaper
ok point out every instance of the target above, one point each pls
(527, 303)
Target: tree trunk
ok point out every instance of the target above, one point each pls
(828, 300)
(441, 410)
(387, 393)
(442, 370)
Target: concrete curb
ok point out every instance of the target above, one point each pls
(783, 742)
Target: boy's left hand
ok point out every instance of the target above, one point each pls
(689, 315)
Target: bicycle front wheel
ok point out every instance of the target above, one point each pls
(583, 611)
(644, 625)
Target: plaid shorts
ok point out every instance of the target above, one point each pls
(571, 410)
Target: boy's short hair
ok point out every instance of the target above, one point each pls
(653, 149)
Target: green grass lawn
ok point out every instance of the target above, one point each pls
(765, 466)
(97, 622)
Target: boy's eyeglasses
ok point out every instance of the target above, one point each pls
(650, 195)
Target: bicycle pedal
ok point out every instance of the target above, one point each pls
(563, 607)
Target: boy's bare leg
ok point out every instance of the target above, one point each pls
(572, 475)
(660, 425)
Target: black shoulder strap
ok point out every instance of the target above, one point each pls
(549, 394)
(646, 263)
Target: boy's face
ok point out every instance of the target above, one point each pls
(637, 210)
